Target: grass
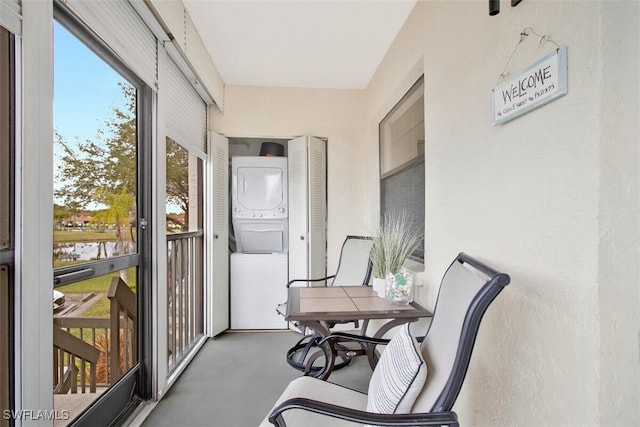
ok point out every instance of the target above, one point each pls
(98, 284)
(95, 284)
(60, 236)
(99, 309)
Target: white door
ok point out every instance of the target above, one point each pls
(298, 208)
(217, 263)
(317, 173)
(307, 208)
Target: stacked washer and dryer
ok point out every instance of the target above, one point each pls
(259, 267)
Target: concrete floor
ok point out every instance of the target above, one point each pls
(236, 378)
(71, 405)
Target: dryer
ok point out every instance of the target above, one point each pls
(259, 204)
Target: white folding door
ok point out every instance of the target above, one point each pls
(218, 237)
(307, 208)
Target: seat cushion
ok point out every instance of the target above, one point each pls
(313, 388)
(399, 375)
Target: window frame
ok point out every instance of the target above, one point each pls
(7, 206)
(403, 169)
(114, 404)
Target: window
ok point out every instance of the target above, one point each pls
(184, 189)
(185, 249)
(402, 174)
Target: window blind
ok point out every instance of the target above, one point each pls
(186, 112)
(404, 191)
(121, 28)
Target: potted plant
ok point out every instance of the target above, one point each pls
(393, 242)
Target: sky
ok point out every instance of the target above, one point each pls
(85, 91)
(85, 87)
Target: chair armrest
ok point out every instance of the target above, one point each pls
(309, 280)
(346, 337)
(362, 417)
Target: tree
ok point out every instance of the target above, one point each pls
(178, 181)
(118, 213)
(95, 170)
(104, 170)
(60, 213)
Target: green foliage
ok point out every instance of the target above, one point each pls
(177, 180)
(104, 170)
(60, 212)
(106, 166)
(393, 242)
(118, 208)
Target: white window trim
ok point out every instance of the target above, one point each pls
(411, 77)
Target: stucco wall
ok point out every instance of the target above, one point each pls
(618, 215)
(333, 114)
(533, 197)
(552, 197)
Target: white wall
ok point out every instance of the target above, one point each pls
(618, 214)
(333, 114)
(550, 198)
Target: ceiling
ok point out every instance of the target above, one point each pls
(298, 43)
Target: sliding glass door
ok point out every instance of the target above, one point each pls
(102, 122)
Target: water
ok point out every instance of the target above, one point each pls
(88, 251)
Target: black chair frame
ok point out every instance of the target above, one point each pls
(441, 411)
(309, 342)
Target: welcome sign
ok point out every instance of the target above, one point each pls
(541, 83)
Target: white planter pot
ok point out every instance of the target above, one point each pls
(380, 286)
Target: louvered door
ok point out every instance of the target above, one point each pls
(218, 298)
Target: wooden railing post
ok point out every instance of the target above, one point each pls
(185, 289)
(122, 298)
(64, 342)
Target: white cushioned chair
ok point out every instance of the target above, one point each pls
(467, 289)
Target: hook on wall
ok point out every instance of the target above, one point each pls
(494, 6)
(523, 35)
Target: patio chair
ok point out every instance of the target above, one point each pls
(429, 377)
(354, 268)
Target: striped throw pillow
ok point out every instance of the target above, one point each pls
(399, 376)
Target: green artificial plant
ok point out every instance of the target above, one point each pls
(393, 242)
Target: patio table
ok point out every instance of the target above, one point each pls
(315, 307)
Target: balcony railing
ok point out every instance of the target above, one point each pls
(185, 293)
(91, 352)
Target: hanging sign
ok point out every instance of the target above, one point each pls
(541, 83)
